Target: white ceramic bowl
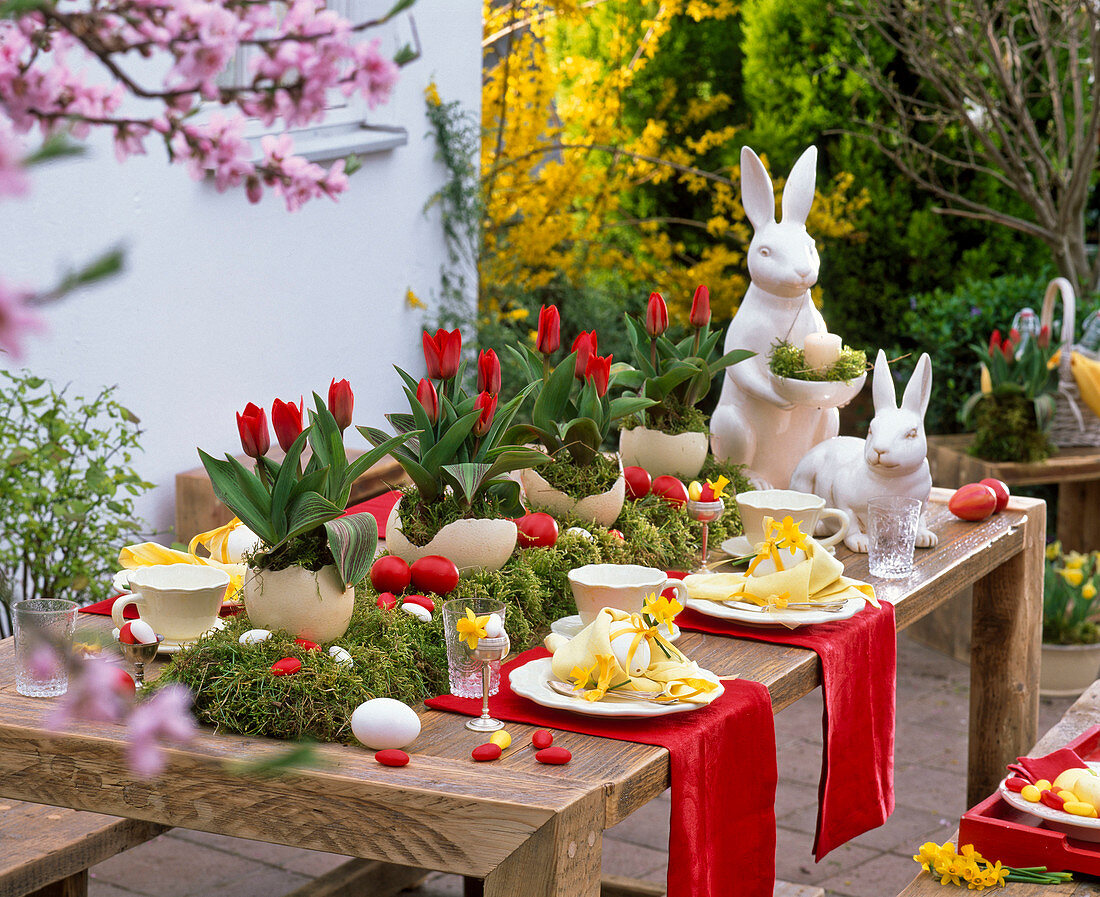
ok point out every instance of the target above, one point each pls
(819, 393)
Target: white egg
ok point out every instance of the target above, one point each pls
(142, 632)
(620, 645)
(254, 636)
(789, 560)
(580, 531)
(421, 613)
(385, 723)
(494, 626)
(241, 541)
(341, 656)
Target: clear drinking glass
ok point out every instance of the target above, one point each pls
(892, 530)
(463, 668)
(43, 641)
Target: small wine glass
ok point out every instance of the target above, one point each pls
(139, 655)
(705, 512)
(487, 651)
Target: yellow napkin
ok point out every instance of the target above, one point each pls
(588, 661)
(1086, 373)
(226, 543)
(146, 554)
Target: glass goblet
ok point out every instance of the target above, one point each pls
(487, 651)
(705, 512)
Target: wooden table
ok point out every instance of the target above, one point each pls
(1076, 472)
(524, 828)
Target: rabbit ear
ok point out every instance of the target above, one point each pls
(798, 194)
(882, 385)
(919, 388)
(757, 194)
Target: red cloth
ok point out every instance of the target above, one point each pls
(130, 613)
(722, 759)
(380, 506)
(859, 669)
(1047, 767)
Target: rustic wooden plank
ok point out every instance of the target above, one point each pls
(367, 877)
(1075, 464)
(623, 886)
(1079, 515)
(75, 885)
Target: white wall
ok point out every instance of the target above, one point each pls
(224, 302)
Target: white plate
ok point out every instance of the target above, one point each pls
(530, 681)
(788, 619)
(572, 626)
(1081, 827)
(740, 547)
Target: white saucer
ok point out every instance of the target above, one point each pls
(571, 626)
(740, 547)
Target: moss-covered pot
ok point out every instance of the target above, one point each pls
(681, 455)
(603, 508)
(308, 604)
(473, 544)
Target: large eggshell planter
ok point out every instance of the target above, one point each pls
(681, 455)
(603, 509)
(308, 604)
(472, 544)
(819, 393)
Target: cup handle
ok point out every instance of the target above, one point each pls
(845, 523)
(120, 606)
(681, 590)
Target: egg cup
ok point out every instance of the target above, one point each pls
(705, 512)
(139, 655)
(487, 651)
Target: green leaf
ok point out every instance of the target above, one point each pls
(582, 439)
(226, 480)
(106, 265)
(506, 492)
(624, 406)
(306, 512)
(285, 480)
(352, 540)
(728, 359)
(367, 460)
(449, 443)
(467, 478)
(551, 403)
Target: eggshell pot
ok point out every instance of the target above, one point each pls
(681, 455)
(603, 508)
(305, 603)
(473, 544)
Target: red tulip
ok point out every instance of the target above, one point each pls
(1044, 336)
(488, 372)
(994, 341)
(252, 425)
(341, 400)
(441, 353)
(598, 372)
(428, 398)
(585, 347)
(549, 336)
(1008, 347)
(700, 307)
(487, 404)
(286, 418)
(656, 315)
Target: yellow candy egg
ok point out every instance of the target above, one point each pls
(1031, 793)
(501, 738)
(695, 490)
(1067, 795)
(1078, 808)
(1043, 784)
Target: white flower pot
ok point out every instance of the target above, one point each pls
(682, 455)
(1067, 670)
(305, 603)
(473, 544)
(603, 508)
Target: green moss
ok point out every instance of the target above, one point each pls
(788, 361)
(1007, 431)
(309, 550)
(672, 417)
(577, 481)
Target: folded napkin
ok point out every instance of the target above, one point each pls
(722, 761)
(1086, 373)
(380, 506)
(130, 612)
(1046, 767)
(623, 652)
(859, 669)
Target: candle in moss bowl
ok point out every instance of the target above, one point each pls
(823, 374)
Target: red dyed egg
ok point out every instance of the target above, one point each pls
(386, 601)
(423, 600)
(392, 757)
(488, 751)
(1000, 489)
(555, 756)
(286, 667)
(974, 502)
(390, 574)
(540, 738)
(671, 490)
(434, 573)
(124, 682)
(638, 482)
(307, 644)
(536, 530)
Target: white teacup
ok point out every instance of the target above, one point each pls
(180, 601)
(804, 508)
(621, 586)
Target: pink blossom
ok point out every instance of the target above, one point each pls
(129, 141)
(375, 76)
(164, 718)
(93, 695)
(17, 320)
(43, 662)
(13, 177)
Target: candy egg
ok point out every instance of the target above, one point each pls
(137, 632)
(124, 684)
(307, 644)
(501, 738)
(554, 755)
(540, 738)
(385, 723)
(286, 667)
(483, 752)
(494, 626)
(392, 757)
(423, 600)
(341, 656)
(421, 613)
(580, 531)
(386, 601)
(254, 636)
(622, 637)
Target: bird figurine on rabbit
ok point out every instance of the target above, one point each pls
(753, 424)
(892, 460)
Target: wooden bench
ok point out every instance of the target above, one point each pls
(46, 851)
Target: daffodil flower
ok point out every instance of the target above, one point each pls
(1088, 591)
(718, 486)
(1053, 550)
(1075, 560)
(606, 672)
(662, 609)
(790, 534)
(769, 548)
(472, 628)
(1073, 576)
(581, 676)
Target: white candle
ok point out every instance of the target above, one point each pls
(821, 350)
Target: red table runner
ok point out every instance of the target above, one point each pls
(722, 760)
(130, 613)
(859, 672)
(380, 506)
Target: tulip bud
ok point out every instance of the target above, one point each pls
(428, 399)
(1044, 336)
(585, 347)
(286, 418)
(656, 316)
(700, 308)
(598, 373)
(488, 372)
(487, 404)
(441, 353)
(341, 400)
(549, 335)
(994, 341)
(1008, 348)
(252, 426)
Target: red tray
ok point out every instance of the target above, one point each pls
(1001, 832)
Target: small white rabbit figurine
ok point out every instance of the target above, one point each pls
(754, 425)
(847, 471)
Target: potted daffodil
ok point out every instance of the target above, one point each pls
(1071, 610)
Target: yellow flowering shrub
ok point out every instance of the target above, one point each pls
(1070, 606)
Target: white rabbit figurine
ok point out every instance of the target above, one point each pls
(847, 471)
(754, 425)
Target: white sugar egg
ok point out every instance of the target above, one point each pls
(385, 723)
(421, 613)
(494, 626)
(580, 531)
(121, 581)
(142, 632)
(767, 565)
(254, 636)
(622, 636)
(341, 656)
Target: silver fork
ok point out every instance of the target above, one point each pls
(826, 607)
(567, 689)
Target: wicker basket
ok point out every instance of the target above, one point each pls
(1074, 422)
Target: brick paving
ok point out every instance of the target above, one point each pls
(930, 765)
